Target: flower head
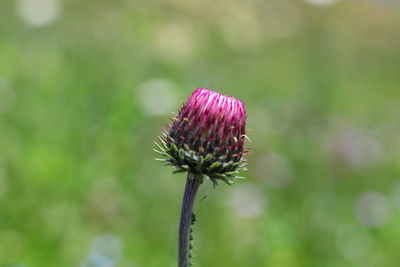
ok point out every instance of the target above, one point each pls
(207, 137)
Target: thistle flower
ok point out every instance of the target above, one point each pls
(206, 140)
(207, 137)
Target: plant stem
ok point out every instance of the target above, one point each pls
(192, 185)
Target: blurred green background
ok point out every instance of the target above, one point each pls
(86, 85)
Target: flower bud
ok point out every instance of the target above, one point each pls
(206, 138)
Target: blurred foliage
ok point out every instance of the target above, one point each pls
(86, 85)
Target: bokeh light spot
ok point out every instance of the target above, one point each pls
(371, 209)
(356, 147)
(108, 245)
(157, 96)
(247, 201)
(105, 251)
(38, 13)
(354, 243)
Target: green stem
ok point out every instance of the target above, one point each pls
(191, 188)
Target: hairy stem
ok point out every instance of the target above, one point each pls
(192, 185)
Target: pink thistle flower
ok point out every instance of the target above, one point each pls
(207, 137)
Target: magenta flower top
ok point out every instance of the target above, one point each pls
(207, 136)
